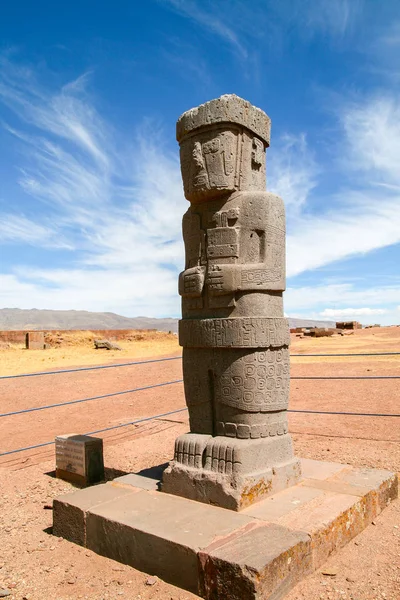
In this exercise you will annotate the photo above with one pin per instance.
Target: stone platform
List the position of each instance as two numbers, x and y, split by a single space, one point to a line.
260 552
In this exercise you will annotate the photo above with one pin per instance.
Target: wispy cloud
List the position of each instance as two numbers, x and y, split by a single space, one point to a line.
210 18
334 17
119 205
239 24
292 172
17 228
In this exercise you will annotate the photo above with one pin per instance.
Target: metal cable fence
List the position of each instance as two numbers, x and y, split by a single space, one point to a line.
152 418
166 383
156 360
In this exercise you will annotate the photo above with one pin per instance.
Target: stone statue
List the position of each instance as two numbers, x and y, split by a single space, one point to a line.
234 336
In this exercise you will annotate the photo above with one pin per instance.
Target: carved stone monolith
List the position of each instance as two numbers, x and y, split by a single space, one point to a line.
235 338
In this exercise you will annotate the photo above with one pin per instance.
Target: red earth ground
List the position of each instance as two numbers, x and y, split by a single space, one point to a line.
34 564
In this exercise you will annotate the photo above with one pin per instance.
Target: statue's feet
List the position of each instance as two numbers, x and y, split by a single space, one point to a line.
190 448
220 455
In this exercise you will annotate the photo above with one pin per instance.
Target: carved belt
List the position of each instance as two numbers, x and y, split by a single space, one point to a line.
235 332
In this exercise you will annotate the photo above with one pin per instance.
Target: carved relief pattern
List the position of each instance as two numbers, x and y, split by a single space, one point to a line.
211 162
238 332
244 431
256 382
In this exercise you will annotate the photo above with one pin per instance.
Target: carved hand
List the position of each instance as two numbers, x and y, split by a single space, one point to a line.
191 282
221 279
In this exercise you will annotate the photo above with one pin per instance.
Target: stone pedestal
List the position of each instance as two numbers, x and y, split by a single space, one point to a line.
258 553
235 473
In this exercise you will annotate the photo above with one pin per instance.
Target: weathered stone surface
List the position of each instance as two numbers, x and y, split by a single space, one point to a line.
332 520
332 509
234 335
265 561
234 493
79 458
226 109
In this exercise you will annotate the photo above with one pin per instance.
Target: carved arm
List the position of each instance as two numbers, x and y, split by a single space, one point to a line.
191 282
227 279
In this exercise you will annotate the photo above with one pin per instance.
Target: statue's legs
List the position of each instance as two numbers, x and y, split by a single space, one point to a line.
199 389
199 394
239 448
251 389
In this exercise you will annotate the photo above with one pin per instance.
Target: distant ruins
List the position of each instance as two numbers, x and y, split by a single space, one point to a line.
348 325
235 338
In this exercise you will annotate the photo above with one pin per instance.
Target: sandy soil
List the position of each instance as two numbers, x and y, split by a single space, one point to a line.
34 564
77 349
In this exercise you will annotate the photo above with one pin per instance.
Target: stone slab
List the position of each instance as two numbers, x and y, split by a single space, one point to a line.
159 533
332 510
260 552
139 481
318 469
70 510
265 561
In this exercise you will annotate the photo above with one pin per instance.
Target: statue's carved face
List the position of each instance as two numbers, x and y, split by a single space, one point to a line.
209 164
217 162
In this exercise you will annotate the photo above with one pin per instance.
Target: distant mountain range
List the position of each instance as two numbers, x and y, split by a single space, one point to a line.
20 319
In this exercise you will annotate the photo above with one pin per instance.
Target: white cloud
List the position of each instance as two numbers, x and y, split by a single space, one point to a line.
292 172
372 130
352 312
241 24
366 223
365 215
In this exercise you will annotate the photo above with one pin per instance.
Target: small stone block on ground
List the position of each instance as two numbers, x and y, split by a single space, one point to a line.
258 553
34 340
79 458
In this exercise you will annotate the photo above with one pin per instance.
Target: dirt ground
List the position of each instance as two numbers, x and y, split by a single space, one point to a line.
34 564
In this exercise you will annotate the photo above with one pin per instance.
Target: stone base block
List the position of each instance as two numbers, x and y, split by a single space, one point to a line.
230 473
233 492
260 552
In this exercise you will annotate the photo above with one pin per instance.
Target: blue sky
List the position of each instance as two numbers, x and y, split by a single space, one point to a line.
90 191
